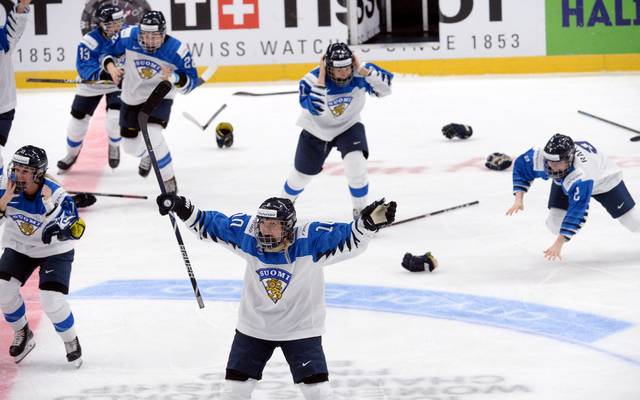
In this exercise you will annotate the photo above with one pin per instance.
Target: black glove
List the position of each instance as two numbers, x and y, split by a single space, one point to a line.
458 130
178 204
378 214
224 134
419 263
65 228
498 161
84 199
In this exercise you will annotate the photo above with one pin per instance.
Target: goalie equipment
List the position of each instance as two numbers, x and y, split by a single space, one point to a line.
457 130
224 134
498 161
378 214
419 263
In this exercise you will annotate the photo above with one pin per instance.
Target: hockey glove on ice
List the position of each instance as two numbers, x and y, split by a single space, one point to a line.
224 134
178 204
458 130
64 228
498 161
378 214
84 199
419 263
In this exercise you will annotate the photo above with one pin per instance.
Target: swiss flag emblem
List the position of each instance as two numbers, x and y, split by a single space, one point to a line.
238 14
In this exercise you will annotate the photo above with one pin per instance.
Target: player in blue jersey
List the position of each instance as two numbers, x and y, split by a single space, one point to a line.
110 19
282 303
40 225
10 33
579 172
332 96
150 57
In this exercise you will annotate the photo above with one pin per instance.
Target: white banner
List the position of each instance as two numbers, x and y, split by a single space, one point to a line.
246 32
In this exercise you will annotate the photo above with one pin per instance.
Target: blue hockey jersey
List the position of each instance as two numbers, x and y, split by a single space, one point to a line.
88 57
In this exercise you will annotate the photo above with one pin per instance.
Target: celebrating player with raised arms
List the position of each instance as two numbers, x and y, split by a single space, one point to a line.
150 56
110 19
579 172
332 96
40 225
282 302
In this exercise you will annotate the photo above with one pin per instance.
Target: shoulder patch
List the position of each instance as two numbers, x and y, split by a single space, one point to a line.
89 41
183 50
572 178
126 32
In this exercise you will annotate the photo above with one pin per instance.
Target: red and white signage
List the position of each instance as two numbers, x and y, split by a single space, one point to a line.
238 14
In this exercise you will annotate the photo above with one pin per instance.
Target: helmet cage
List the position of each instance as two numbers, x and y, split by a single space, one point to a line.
554 152
270 243
38 170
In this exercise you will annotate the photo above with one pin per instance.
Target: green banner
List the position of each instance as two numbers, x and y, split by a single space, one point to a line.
593 26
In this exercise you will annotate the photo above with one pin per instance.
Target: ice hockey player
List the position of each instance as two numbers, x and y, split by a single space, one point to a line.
41 224
110 19
578 171
151 56
10 33
332 96
282 302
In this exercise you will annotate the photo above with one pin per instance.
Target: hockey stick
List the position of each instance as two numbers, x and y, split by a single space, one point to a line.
152 102
124 196
70 81
431 214
633 139
205 126
263 94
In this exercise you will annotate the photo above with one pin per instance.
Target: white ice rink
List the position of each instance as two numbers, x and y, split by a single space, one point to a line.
494 321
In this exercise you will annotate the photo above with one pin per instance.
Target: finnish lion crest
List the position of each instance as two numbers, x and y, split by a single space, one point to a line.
147 69
275 281
26 224
339 105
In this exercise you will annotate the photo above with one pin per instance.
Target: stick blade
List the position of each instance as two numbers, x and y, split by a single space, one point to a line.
192 119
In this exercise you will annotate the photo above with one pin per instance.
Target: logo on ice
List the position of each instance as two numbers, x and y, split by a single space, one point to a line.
275 281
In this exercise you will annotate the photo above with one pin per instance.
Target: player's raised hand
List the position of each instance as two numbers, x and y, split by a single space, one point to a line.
115 72
9 194
23 5
46 193
323 72
518 204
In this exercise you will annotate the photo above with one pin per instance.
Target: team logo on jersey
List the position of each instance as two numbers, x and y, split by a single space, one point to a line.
339 105
275 281
147 69
26 224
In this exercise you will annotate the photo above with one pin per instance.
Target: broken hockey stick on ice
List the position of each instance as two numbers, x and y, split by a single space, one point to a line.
152 102
70 81
431 214
124 196
205 126
633 139
263 94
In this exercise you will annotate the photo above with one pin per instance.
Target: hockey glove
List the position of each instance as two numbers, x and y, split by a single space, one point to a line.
419 263
178 204
378 214
84 199
498 161
458 130
64 228
224 134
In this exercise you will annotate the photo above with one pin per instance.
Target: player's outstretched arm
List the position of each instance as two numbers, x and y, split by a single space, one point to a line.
518 204
553 252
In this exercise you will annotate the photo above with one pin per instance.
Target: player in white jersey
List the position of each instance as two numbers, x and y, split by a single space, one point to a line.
10 33
332 96
579 172
40 224
282 303
150 56
110 19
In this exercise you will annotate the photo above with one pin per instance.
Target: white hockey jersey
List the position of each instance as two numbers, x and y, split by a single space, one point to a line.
283 295
10 33
25 218
341 105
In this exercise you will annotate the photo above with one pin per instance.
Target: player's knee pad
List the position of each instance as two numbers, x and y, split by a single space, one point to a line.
238 390
631 220
78 127
317 391
133 146
554 220
54 304
9 293
77 114
355 168
113 124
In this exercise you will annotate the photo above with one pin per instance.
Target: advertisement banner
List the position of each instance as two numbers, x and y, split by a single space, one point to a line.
249 32
593 26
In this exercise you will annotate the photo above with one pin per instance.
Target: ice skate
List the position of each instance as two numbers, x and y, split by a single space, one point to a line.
22 344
